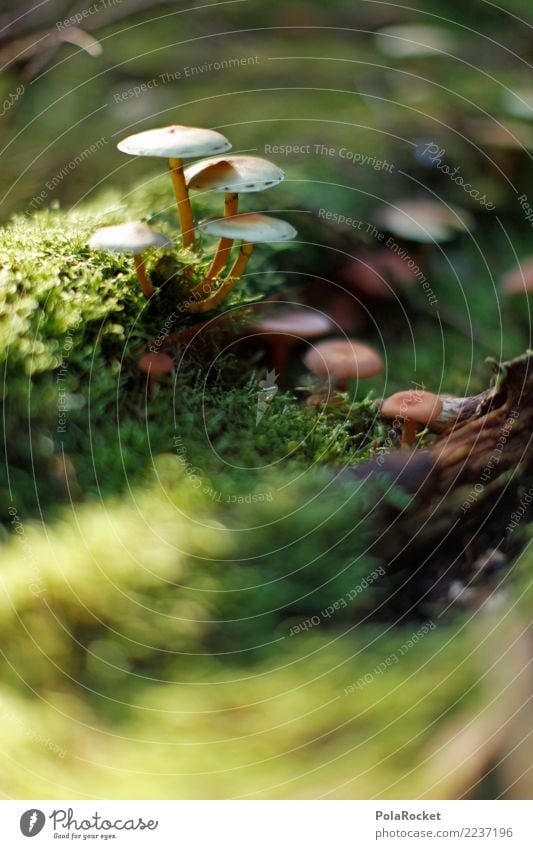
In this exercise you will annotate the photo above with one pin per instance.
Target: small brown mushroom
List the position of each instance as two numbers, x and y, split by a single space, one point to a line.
412 408
155 365
285 330
343 360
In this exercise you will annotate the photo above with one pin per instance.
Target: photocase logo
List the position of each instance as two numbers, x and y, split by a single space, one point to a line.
32 822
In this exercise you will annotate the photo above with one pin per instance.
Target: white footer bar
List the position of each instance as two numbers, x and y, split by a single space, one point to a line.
267 824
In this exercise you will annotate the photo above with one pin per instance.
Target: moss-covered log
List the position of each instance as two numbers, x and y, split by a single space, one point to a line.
464 489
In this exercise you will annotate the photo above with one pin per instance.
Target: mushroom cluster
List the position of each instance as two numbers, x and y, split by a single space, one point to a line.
230 175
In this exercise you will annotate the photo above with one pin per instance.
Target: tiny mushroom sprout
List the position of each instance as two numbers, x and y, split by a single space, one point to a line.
285 330
343 360
155 364
177 143
412 408
250 228
232 175
134 237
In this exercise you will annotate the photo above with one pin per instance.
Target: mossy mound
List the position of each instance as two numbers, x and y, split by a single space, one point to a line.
188 604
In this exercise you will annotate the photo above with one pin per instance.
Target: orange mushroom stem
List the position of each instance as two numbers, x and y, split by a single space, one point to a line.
183 202
146 284
239 266
155 365
228 283
284 330
249 228
412 408
222 253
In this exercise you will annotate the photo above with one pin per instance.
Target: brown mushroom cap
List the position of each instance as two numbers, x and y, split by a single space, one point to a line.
412 405
301 323
233 174
344 359
519 280
156 363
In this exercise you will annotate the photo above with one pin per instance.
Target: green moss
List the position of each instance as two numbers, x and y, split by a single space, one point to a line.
151 635
188 592
73 324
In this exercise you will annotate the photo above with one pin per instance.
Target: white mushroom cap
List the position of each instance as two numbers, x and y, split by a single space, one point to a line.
134 237
424 221
233 174
175 142
300 323
250 227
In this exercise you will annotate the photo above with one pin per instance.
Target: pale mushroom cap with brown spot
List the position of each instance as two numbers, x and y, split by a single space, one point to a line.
235 174
344 359
175 142
156 363
134 237
519 280
302 324
412 405
249 227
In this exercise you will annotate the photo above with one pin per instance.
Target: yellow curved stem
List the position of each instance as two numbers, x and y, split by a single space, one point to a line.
231 206
228 284
183 202
146 284
239 266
